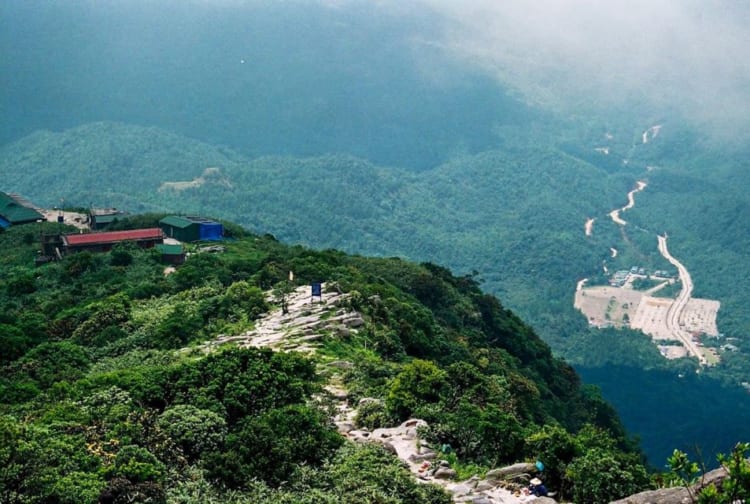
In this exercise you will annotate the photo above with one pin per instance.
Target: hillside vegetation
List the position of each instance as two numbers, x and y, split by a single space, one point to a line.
512 217
103 396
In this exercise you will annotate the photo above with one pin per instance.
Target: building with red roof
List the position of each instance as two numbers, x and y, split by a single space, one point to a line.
102 242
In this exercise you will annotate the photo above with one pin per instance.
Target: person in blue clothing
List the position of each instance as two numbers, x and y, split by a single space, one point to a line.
537 488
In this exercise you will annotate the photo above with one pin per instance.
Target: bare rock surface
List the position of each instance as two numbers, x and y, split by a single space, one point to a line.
306 321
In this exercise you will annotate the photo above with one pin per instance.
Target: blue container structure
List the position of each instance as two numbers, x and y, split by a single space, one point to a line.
191 228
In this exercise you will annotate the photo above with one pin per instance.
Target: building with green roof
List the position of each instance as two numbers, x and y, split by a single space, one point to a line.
14 212
171 253
191 228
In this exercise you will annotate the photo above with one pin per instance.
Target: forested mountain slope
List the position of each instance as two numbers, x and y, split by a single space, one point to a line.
513 215
103 396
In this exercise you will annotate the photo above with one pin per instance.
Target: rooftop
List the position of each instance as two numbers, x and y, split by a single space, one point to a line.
113 236
183 221
14 211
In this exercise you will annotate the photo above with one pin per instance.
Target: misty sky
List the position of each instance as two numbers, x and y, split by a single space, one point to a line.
688 54
661 56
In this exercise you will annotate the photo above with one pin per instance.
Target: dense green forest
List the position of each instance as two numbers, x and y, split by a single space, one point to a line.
512 217
107 394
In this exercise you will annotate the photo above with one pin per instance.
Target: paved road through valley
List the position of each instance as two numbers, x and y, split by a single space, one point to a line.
678 306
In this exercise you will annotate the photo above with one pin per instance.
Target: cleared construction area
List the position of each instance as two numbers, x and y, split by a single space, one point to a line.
607 306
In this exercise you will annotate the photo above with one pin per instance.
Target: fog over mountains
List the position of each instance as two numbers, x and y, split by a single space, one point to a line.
247 73
683 56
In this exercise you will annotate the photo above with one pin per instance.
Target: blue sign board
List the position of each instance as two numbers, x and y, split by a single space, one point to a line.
317 289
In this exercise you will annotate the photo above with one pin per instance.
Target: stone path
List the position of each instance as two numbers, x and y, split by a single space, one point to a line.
301 329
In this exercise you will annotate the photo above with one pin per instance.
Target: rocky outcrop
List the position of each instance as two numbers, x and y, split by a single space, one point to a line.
511 471
676 495
424 462
661 496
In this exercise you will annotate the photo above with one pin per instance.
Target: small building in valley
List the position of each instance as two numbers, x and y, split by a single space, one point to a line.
191 228
103 242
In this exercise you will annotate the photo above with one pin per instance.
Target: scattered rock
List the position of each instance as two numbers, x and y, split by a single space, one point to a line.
345 427
390 448
444 473
481 500
425 454
676 495
342 331
341 364
460 490
543 500
355 321
483 486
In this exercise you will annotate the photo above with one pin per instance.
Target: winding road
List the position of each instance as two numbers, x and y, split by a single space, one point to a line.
674 314
615 214
676 310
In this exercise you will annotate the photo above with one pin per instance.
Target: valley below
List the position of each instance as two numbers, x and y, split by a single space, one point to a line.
676 325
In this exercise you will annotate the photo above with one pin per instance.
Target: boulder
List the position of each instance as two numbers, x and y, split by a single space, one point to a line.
342 331
354 322
367 400
345 427
511 471
390 448
460 490
421 457
444 473
359 434
484 485
677 495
